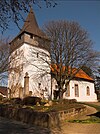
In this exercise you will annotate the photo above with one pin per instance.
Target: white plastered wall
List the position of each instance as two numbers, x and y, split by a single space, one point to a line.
82 86
38 67
16 74
36 62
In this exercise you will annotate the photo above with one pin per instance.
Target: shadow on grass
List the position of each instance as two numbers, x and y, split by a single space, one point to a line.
95 114
8 126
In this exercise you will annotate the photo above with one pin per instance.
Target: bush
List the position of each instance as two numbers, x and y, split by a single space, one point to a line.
72 100
5 100
31 100
16 101
67 101
1 97
43 102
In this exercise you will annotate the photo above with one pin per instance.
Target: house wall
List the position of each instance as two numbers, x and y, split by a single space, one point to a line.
82 87
82 90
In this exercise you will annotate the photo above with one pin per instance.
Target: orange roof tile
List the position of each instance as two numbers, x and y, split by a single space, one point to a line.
80 74
83 75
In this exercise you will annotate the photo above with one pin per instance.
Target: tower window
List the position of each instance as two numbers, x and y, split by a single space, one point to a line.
31 36
56 87
39 84
37 55
20 37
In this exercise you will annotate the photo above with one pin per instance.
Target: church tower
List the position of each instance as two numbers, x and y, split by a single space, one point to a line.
29 71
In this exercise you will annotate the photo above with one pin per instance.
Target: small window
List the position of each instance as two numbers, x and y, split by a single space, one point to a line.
15 53
37 55
30 93
76 90
20 37
31 36
56 87
39 84
46 89
88 91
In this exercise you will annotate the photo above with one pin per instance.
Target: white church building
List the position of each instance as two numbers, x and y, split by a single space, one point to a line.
29 71
81 88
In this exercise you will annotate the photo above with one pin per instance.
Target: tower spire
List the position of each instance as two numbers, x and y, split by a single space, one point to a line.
31 25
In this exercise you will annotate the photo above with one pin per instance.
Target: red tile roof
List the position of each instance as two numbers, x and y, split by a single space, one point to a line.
78 74
81 74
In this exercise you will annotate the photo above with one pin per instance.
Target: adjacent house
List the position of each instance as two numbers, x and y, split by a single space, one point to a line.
29 72
81 88
3 91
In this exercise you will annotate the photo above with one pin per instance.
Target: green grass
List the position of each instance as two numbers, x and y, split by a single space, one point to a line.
55 108
87 121
92 105
92 119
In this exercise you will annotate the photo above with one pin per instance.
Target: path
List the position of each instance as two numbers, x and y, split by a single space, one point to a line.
13 127
90 110
78 128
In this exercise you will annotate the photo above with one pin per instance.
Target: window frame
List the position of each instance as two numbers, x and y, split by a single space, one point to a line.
87 91
76 90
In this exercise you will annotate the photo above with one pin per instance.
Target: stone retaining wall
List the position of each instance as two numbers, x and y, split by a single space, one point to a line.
44 119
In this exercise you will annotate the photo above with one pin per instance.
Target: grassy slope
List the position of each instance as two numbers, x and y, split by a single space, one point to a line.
92 105
92 119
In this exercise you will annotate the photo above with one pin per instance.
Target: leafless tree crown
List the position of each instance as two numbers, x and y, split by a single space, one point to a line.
12 10
70 49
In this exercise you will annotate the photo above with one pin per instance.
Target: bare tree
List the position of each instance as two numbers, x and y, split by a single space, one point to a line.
9 64
12 10
97 80
4 60
15 69
70 49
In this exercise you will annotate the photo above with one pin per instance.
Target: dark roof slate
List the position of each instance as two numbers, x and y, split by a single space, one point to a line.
31 26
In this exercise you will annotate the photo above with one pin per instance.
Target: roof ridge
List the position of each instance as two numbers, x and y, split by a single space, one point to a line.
79 74
86 74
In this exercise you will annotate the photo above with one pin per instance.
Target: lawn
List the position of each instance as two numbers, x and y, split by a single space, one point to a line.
94 118
97 107
56 107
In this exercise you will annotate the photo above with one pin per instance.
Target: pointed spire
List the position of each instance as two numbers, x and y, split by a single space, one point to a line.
31 25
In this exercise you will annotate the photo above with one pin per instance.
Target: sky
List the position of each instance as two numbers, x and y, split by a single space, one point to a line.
85 12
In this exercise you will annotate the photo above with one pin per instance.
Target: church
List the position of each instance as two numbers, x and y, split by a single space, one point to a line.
29 71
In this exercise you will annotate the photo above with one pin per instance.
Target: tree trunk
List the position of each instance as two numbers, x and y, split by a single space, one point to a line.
60 94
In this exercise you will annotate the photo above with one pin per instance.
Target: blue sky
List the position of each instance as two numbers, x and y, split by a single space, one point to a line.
85 12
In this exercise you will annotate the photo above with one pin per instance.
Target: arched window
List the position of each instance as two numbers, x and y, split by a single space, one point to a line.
68 91
76 90
88 91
